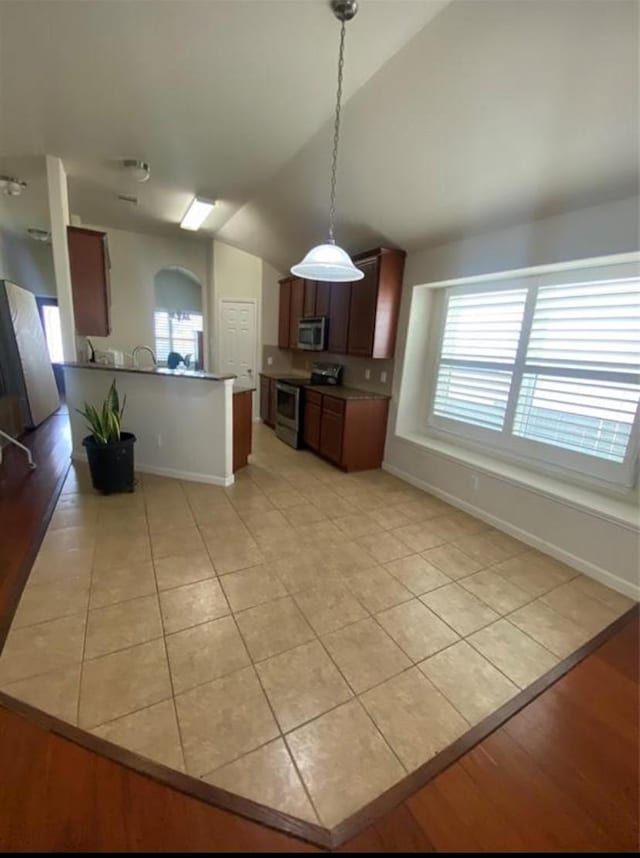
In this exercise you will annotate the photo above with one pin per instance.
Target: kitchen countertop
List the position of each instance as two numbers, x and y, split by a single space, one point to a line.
241 386
283 373
341 391
156 370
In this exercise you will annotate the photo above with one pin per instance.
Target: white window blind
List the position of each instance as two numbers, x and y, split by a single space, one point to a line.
547 372
176 335
580 380
479 346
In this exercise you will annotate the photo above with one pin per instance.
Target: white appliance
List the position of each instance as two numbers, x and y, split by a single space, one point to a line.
25 367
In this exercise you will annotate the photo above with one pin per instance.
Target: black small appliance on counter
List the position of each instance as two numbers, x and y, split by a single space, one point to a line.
290 400
327 373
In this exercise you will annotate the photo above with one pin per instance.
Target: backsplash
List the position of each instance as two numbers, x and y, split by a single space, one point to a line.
355 368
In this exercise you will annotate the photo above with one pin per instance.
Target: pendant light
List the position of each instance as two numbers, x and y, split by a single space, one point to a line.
328 261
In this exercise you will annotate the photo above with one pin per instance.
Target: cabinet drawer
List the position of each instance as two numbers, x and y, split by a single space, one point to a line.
312 397
330 403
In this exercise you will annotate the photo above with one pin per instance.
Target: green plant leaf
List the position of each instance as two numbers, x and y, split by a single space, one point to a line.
105 425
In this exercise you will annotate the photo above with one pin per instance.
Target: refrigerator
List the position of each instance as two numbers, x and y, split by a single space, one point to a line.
25 367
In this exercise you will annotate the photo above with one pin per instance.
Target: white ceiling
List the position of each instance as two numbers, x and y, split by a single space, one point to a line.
460 116
215 95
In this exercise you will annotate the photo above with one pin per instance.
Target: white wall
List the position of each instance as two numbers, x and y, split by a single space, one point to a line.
597 536
270 304
58 197
27 263
183 426
135 260
177 290
236 276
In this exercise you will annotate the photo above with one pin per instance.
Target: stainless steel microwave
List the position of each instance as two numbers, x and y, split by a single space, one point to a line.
312 333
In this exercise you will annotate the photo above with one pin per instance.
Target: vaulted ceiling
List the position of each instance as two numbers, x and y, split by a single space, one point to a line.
459 116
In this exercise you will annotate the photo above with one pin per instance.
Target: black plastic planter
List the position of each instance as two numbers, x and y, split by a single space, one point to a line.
111 465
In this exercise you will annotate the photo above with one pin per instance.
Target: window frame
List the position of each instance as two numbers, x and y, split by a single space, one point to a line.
536 455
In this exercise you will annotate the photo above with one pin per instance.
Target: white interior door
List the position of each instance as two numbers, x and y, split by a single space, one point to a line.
238 342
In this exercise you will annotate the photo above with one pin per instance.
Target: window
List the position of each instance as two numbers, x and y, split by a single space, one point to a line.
176 334
545 369
50 316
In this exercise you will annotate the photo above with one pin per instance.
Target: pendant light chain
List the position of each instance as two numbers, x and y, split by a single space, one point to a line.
336 136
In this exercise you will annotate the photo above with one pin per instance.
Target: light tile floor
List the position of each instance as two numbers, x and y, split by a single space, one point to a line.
304 638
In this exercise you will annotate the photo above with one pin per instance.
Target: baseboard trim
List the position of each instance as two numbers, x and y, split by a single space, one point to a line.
190 476
579 563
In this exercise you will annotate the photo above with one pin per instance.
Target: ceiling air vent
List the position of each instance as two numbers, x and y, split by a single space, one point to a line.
126 198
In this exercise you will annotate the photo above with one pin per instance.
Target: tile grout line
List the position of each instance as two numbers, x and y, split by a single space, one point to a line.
166 649
276 721
85 631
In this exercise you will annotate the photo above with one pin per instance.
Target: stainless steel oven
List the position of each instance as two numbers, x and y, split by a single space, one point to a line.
289 411
312 333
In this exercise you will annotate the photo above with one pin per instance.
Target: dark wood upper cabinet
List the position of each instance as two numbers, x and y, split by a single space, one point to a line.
284 317
90 285
339 317
297 310
362 311
363 315
323 293
375 303
309 306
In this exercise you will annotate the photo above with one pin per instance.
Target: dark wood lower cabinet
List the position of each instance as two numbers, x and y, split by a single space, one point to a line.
242 420
268 400
331 432
350 433
311 428
365 431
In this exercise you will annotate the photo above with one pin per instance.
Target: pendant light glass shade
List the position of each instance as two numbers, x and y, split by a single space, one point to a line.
327 262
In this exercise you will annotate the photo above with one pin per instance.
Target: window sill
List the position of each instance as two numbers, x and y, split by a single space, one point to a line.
623 510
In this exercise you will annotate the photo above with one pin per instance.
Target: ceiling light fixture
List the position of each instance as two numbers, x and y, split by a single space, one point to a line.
328 261
39 234
138 170
197 213
11 186
127 198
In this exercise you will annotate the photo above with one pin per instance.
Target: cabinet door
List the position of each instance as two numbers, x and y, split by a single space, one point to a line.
339 317
241 429
297 308
265 398
331 432
89 265
312 425
323 290
284 318
273 401
309 304
362 311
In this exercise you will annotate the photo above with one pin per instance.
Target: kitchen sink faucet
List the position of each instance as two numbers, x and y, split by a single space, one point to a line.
134 355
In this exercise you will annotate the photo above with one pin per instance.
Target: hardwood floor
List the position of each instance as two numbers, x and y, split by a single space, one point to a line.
25 500
560 775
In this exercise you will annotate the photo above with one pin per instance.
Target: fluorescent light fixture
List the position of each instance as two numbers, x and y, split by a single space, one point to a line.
197 213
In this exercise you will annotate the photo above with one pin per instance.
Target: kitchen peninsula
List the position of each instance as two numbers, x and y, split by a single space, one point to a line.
183 420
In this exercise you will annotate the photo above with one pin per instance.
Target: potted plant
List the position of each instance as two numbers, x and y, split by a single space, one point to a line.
109 449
